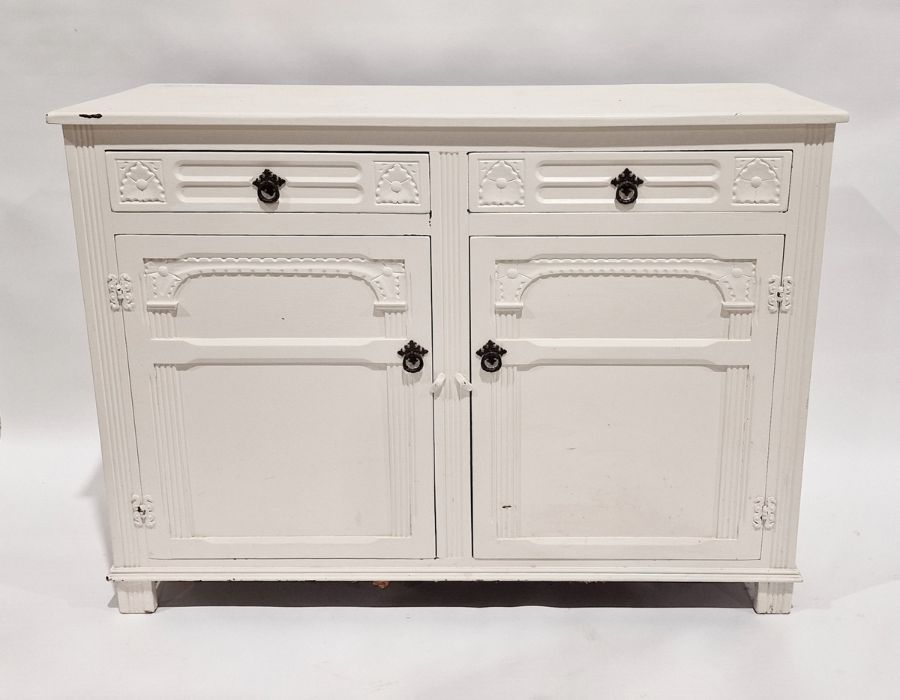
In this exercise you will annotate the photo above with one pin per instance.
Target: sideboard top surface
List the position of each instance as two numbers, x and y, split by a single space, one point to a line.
717 104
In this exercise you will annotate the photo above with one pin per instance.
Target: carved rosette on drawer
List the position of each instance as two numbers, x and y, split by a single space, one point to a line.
164 278
140 181
397 183
757 181
500 183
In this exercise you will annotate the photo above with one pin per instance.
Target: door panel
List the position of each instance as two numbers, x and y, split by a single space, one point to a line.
600 485
630 417
274 418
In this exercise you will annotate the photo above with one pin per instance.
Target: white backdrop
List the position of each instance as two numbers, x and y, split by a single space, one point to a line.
842 633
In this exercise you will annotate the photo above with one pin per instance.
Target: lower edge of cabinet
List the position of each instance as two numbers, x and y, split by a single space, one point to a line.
457 574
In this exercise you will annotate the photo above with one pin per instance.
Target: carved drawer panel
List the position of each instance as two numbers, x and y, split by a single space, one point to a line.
661 181
211 181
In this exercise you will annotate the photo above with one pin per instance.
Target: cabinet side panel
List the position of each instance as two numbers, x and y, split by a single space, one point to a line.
97 259
796 334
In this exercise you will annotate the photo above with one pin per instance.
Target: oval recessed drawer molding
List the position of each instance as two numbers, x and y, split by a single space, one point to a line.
210 181
668 181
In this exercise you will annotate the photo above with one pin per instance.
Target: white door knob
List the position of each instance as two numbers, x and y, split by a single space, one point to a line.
463 383
438 383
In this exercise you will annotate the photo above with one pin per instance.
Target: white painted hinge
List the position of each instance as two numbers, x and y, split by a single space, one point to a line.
142 511
781 290
119 292
764 512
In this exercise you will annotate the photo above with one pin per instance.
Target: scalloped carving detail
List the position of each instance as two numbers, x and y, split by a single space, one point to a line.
735 279
501 183
386 278
141 181
757 181
397 183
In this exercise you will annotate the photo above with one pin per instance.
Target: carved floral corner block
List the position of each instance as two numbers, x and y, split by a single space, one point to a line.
757 181
397 183
140 181
501 183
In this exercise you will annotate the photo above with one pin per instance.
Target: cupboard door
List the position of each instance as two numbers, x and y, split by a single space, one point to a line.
273 413
629 419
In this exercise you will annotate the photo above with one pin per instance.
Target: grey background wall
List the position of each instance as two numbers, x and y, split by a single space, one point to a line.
57 53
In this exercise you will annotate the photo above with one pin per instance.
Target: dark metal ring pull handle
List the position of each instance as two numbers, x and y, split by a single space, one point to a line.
413 357
491 356
268 186
626 184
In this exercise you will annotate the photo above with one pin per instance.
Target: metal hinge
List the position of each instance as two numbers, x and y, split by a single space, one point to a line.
764 512
142 511
119 292
781 290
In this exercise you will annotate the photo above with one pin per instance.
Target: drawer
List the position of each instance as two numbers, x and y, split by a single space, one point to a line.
222 181
666 181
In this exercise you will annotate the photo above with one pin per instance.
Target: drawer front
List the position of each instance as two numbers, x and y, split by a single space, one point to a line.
668 181
219 181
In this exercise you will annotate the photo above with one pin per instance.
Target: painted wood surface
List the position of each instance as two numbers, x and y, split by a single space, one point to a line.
206 181
453 106
669 181
629 417
256 422
274 417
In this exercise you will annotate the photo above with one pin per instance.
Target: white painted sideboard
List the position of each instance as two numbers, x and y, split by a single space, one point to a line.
451 333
